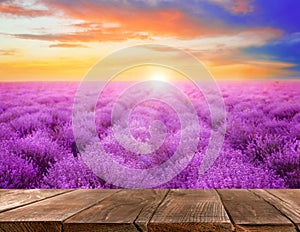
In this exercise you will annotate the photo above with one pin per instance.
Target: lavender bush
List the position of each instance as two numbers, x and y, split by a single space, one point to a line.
261 147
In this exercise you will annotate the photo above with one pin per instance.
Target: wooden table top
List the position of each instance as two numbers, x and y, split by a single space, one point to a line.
149 210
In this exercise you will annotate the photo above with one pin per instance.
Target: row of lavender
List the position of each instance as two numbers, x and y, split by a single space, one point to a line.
261 147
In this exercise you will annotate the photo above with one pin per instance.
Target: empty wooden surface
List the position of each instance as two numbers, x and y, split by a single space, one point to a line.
287 201
13 198
149 210
252 213
118 212
185 210
51 211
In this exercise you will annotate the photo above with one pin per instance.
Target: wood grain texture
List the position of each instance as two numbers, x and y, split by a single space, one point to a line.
14 198
48 214
252 213
149 210
30 226
124 211
287 201
190 210
291 196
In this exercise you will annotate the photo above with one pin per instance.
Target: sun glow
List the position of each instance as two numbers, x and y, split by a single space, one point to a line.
158 77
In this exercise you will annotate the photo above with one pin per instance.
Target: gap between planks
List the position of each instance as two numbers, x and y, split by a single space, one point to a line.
127 210
152 210
15 198
286 201
48 215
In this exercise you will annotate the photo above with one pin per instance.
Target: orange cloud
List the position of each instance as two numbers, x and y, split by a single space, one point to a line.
67 45
20 11
115 25
108 20
213 42
252 70
92 35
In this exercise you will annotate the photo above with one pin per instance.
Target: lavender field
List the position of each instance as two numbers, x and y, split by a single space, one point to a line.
261 148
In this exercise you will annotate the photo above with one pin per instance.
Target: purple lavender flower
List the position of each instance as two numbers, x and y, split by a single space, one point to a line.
261 147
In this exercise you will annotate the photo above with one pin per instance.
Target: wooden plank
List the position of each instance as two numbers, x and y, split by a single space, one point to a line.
47 215
148 210
128 210
13 198
287 201
251 213
32 227
190 210
291 196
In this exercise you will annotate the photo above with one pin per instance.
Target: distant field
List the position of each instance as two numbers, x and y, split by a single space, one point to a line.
261 147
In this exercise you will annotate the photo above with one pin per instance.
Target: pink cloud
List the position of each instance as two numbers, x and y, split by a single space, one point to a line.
236 6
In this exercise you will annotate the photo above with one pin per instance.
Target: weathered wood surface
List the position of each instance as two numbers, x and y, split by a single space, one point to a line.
127 210
186 210
252 213
50 212
14 198
149 210
287 201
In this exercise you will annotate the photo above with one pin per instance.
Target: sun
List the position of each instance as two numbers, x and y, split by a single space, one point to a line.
158 77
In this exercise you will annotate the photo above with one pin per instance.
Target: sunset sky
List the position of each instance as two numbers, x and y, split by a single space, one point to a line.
63 39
